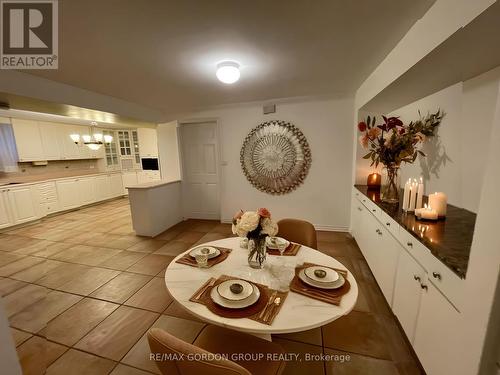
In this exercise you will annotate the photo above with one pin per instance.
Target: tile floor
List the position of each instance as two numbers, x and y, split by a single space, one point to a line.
81 290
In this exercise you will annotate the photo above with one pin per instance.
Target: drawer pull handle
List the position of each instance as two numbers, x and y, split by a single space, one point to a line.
417 278
388 224
374 210
423 286
436 275
409 244
360 209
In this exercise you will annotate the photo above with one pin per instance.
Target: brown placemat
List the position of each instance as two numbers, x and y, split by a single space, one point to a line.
259 311
291 250
332 296
190 261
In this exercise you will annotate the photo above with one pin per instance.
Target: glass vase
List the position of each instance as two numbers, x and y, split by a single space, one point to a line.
389 191
257 252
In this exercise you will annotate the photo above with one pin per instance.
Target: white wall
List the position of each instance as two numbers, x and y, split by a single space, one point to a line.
456 157
322 198
168 149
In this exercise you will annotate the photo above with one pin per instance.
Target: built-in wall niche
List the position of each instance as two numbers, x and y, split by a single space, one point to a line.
456 155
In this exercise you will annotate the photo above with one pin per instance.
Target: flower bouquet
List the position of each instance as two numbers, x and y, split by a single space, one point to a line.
256 226
392 143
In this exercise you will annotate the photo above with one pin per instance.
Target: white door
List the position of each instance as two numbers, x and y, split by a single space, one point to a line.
407 293
28 140
69 196
49 134
200 180
5 219
23 204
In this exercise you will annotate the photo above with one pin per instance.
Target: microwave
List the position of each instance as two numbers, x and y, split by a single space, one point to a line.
149 164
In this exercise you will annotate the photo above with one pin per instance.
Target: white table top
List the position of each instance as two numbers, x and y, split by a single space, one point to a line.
298 312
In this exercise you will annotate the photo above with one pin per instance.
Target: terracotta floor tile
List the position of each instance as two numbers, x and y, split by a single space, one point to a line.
78 320
186 330
298 367
36 316
22 298
8 286
114 241
127 370
52 249
312 336
19 336
151 264
358 365
80 238
357 332
114 336
147 246
123 260
37 271
37 354
152 296
222 228
6 258
77 362
169 234
19 265
120 288
205 226
13 242
54 234
209 237
173 248
189 236
88 255
86 282
362 303
34 246
62 274
175 309
333 236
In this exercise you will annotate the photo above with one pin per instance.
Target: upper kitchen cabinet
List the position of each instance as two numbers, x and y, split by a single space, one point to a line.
28 140
148 143
49 134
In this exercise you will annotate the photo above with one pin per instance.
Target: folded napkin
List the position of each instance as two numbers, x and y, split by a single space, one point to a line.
190 261
332 296
263 311
291 250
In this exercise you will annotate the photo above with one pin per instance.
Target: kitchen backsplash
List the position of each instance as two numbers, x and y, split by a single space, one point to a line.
53 169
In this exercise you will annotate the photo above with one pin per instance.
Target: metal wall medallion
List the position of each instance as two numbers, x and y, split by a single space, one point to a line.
275 157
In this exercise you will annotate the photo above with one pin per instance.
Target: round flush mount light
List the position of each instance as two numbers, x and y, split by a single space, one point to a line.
228 72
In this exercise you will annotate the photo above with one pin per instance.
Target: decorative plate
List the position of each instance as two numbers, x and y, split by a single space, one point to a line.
334 285
275 157
254 297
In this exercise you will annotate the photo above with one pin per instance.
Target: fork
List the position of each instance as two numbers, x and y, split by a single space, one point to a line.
274 306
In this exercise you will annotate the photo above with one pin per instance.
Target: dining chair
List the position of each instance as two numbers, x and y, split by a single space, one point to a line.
299 231
216 351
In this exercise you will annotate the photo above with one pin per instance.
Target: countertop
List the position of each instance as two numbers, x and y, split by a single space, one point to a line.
35 179
449 240
152 184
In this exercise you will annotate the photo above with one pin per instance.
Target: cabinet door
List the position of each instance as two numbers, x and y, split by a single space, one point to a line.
69 150
148 142
23 204
69 196
28 141
407 293
128 179
435 335
5 219
102 187
49 134
86 189
116 184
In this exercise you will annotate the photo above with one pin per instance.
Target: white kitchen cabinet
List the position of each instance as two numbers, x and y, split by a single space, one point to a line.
86 189
23 204
49 134
28 141
47 197
410 277
128 179
5 217
148 176
116 184
69 150
435 335
102 188
67 191
148 142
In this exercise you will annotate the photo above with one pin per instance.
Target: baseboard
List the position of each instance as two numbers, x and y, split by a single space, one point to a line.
327 228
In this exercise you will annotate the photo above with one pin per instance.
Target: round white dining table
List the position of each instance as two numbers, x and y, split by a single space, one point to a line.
298 312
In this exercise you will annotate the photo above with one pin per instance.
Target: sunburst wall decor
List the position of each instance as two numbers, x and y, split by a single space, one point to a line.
275 157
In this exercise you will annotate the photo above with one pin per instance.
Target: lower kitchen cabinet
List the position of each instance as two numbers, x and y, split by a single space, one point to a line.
86 190
68 194
115 184
5 219
23 204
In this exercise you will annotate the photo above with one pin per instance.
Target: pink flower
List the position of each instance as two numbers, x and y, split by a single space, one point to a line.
237 216
264 212
420 137
373 133
362 126
363 140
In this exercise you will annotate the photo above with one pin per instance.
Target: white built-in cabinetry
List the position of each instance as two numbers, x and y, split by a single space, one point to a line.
131 178
148 143
40 140
423 293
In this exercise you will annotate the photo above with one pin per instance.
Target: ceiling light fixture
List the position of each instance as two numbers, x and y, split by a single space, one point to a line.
94 141
228 72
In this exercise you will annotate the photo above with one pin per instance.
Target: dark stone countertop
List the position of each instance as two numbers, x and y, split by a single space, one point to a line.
449 240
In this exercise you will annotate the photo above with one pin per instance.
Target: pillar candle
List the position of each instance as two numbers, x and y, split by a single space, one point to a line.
373 180
438 201
406 195
418 211
413 197
429 214
420 193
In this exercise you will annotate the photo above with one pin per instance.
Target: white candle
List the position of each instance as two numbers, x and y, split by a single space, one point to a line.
438 201
413 197
406 195
420 193
429 214
418 211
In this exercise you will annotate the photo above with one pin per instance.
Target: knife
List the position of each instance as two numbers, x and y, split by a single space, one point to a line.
271 299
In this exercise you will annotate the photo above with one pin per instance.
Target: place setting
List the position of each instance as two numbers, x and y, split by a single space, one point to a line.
232 297
281 246
204 256
320 282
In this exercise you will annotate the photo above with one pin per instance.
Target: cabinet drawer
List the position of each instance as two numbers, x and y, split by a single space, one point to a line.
389 223
357 194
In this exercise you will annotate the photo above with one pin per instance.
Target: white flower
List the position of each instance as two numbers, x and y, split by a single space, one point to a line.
248 222
233 228
269 227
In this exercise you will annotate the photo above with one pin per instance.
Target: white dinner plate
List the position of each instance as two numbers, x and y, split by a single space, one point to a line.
224 290
254 297
213 252
334 285
272 242
330 275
